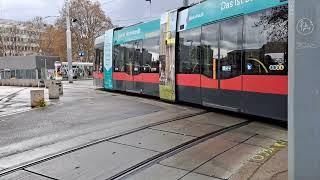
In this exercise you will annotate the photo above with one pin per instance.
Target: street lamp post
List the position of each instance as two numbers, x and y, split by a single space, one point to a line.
45 73
150 6
69 44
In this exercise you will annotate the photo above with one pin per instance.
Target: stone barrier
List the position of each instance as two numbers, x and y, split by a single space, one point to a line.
24 82
37 98
54 92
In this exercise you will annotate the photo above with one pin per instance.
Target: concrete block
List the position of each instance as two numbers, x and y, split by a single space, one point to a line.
36 97
34 83
53 90
29 83
25 83
61 89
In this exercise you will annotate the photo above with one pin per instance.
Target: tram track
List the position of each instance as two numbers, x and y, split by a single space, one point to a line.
23 166
173 151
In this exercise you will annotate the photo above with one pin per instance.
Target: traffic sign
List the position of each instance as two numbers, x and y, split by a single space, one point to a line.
82 53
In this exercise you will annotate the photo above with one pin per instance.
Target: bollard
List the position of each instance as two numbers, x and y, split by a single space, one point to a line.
37 97
60 85
53 90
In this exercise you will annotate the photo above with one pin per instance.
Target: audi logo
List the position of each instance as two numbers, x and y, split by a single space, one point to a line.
279 67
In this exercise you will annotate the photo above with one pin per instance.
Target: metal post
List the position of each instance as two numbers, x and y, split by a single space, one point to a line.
304 89
69 43
45 72
150 14
45 67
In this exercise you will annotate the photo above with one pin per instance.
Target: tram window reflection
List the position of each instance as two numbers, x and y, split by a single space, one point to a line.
266 42
150 53
189 52
119 58
209 50
230 48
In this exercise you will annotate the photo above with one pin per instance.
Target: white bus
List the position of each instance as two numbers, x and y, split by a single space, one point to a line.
80 70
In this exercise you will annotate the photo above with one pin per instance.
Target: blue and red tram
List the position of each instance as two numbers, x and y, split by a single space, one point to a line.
230 55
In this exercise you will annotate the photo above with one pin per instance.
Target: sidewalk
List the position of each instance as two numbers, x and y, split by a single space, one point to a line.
14 100
250 152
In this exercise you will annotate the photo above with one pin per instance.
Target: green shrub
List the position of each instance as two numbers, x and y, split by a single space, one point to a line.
42 103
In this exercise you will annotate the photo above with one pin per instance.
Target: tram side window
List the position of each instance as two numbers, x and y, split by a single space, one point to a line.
150 53
128 57
119 58
138 57
99 61
266 42
231 48
210 50
189 52
133 57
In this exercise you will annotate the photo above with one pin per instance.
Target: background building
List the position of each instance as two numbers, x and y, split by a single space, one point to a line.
18 38
27 67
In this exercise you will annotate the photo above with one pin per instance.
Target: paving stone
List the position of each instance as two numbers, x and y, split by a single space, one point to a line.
237 135
96 162
195 156
188 128
23 175
153 140
246 171
194 176
280 176
217 119
229 163
276 167
261 141
267 130
159 172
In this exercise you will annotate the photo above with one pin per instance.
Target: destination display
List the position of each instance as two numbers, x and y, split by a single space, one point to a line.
136 32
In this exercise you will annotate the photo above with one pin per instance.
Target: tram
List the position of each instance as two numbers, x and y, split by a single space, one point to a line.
97 74
230 55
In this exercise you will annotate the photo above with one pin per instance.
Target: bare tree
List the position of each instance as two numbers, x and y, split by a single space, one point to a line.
275 24
53 42
91 23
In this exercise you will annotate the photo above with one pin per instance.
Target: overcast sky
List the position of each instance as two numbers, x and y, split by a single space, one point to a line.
122 12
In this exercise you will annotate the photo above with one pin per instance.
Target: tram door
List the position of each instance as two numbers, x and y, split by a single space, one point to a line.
133 65
137 67
230 62
129 60
221 82
189 67
209 56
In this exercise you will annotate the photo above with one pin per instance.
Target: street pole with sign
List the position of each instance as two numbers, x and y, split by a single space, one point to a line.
69 43
304 89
